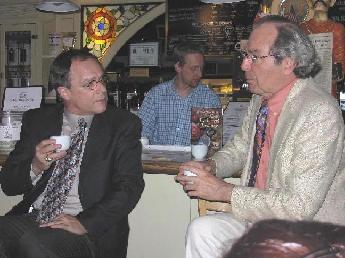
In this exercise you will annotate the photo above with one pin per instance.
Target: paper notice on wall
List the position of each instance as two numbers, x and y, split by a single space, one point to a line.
323 43
232 119
22 99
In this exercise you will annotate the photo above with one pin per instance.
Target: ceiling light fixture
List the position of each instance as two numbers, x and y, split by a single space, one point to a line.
62 6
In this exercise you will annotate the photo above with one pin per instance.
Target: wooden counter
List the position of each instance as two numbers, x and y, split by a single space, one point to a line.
163 162
154 162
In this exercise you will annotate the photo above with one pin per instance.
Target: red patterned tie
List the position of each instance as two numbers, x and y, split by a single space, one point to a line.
65 171
259 139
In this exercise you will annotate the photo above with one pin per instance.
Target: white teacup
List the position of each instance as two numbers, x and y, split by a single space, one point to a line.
199 151
144 141
63 140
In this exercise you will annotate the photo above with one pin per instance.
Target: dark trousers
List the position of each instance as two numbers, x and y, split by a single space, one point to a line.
21 237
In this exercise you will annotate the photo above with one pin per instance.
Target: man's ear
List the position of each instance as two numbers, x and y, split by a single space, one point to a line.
178 67
288 65
64 93
332 2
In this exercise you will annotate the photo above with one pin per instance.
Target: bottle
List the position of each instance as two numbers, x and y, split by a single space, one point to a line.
338 86
11 55
117 92
117 97
10 126
133 103
341 87
22 55
129 96
23 82
341 95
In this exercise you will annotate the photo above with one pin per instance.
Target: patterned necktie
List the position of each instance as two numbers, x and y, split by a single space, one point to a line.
259 139
64 173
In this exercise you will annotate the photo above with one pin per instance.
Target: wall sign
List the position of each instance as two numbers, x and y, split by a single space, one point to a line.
143 54
215 27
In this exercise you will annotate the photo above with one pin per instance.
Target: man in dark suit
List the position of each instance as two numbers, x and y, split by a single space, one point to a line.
93 219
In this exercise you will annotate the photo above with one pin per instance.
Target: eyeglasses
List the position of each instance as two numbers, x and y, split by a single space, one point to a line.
253 58
91 85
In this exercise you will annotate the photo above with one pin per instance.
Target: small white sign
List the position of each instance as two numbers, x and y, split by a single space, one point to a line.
323 43
10 133
232 119
143 54
22 99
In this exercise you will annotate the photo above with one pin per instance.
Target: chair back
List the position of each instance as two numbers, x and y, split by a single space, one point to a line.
206 206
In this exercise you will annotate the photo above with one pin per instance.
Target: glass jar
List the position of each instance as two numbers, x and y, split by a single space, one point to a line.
10 125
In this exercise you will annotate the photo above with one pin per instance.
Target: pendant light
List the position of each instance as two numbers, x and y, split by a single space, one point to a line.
55 6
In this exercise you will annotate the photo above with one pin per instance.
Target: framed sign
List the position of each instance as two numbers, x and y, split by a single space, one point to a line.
143 54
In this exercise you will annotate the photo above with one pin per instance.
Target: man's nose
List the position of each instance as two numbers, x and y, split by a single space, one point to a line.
246 64
100 86
198 72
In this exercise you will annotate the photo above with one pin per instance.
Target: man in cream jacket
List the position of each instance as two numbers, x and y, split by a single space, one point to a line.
299 171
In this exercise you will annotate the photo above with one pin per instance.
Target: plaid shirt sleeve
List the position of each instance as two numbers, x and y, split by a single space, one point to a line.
148 115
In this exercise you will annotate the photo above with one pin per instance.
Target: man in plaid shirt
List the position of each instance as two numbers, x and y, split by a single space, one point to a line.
166 110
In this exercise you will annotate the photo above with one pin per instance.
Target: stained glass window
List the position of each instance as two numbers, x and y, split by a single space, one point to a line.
103 24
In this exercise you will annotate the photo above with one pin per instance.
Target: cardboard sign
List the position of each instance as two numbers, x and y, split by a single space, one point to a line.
22 99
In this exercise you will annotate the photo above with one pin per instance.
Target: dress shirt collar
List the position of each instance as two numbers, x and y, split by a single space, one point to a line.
72 119
276 102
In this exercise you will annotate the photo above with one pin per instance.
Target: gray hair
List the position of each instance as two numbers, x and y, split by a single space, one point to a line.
292 42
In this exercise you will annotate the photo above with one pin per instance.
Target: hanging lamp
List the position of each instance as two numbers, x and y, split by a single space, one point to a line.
54 6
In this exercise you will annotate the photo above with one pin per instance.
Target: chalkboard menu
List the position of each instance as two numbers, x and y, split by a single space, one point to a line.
215 27
337 12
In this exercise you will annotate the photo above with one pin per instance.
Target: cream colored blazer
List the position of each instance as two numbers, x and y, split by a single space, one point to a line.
306 175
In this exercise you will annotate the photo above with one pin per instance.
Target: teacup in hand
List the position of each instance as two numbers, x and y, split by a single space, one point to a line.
189 173
63 140
199 151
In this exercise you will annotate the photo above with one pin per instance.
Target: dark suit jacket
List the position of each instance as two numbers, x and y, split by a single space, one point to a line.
110 180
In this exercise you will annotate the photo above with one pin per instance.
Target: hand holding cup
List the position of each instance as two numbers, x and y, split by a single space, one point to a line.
189 173
63 140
